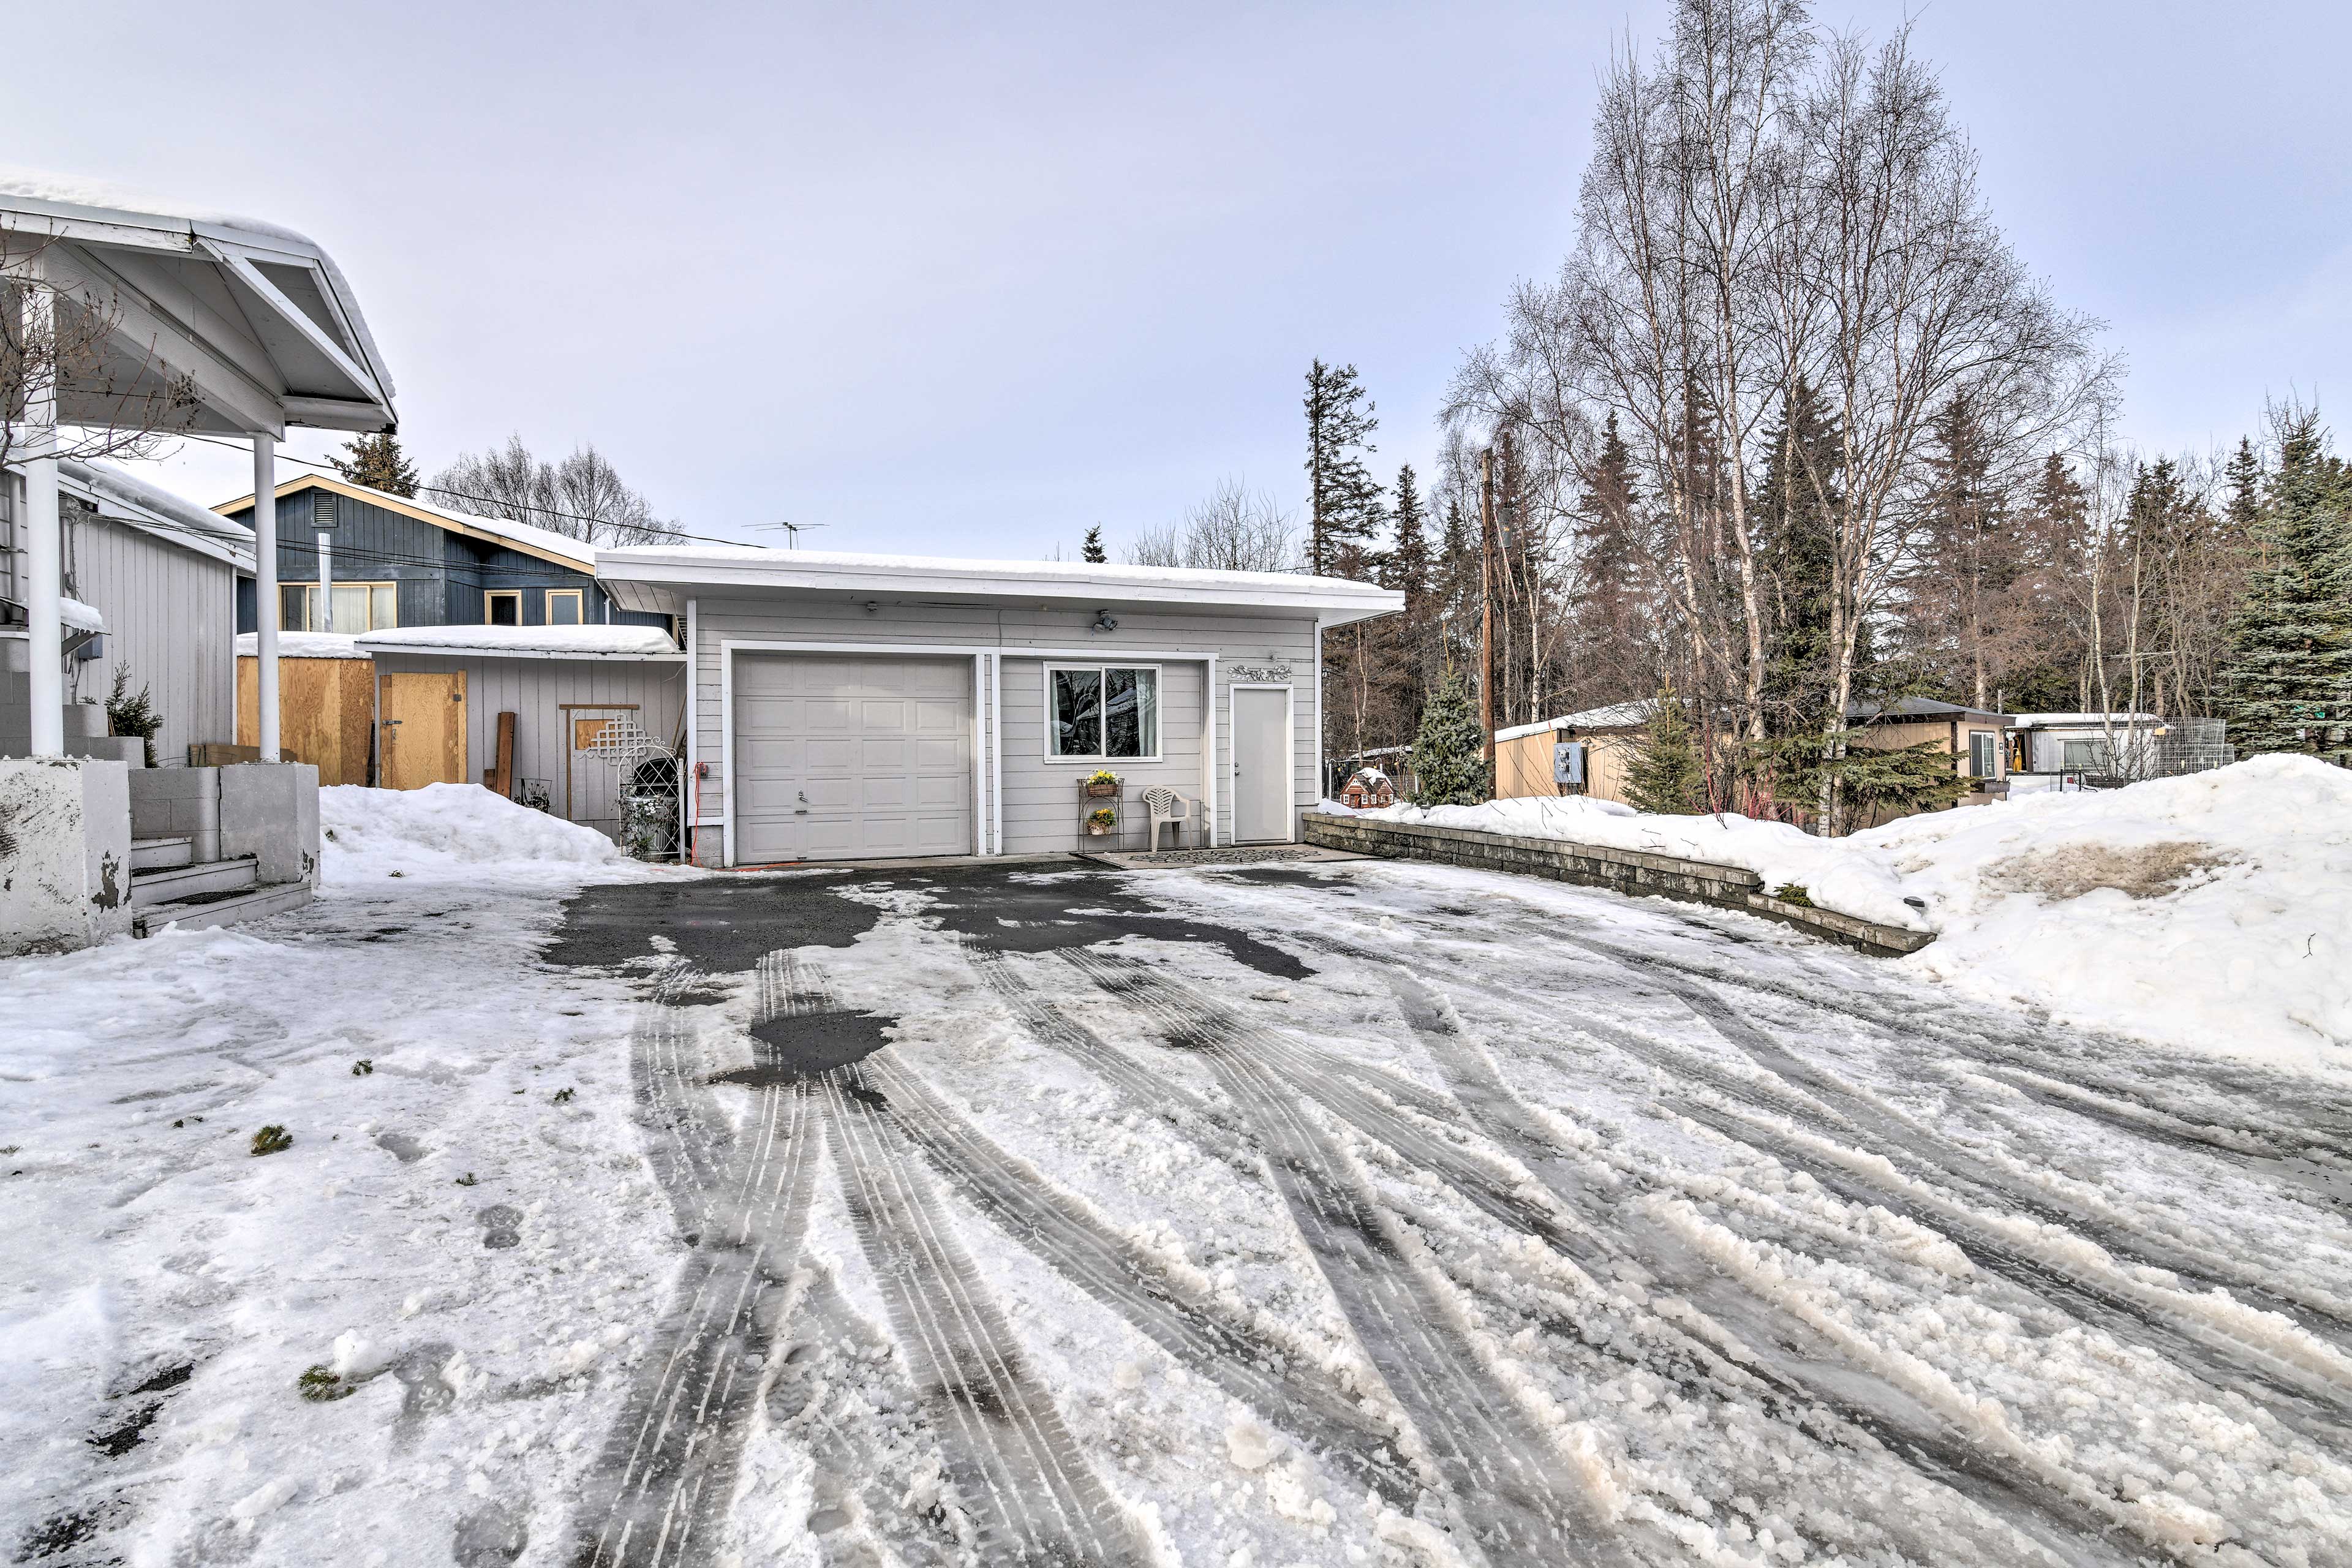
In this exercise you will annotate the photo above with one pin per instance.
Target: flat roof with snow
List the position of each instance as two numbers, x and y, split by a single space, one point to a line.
588 642
661 577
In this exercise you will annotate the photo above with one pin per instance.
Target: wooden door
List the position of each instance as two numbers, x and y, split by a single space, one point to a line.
422 718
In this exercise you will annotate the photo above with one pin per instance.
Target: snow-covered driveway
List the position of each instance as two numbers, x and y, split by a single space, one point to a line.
1288 1215
1283 1215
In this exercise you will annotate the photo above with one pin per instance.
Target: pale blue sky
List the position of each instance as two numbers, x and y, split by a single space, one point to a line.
964 283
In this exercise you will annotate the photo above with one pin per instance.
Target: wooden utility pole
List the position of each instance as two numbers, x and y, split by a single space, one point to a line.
1487 600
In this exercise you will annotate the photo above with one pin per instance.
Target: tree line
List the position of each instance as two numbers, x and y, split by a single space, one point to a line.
1792 429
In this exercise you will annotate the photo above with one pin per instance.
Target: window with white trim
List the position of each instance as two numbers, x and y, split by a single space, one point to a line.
1107 711
1984 754
359 606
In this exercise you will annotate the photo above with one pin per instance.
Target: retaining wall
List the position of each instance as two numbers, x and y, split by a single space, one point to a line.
1629 871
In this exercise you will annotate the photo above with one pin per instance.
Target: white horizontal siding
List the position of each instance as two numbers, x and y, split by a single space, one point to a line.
1038 804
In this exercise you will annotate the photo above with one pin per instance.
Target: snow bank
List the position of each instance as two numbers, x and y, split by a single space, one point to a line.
1829 870
587 641
2210 913
305 644
448 831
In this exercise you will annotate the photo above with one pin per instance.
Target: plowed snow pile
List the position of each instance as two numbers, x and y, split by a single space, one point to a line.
2209 912
447 830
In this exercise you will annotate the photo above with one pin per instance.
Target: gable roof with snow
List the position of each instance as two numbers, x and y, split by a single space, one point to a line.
544 544
256 318
647 577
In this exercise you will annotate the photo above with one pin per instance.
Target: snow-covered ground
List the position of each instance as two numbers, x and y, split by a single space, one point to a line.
2208 912
1367 1212
461 1227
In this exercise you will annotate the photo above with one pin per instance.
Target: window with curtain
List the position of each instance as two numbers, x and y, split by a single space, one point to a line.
359 606
1984 756
1107 711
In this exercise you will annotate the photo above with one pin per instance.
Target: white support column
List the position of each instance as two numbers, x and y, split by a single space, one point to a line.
1216 770
44 554
325 614
265 592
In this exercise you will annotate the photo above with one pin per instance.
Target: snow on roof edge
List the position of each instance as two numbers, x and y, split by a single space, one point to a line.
847 562
106 196
549 642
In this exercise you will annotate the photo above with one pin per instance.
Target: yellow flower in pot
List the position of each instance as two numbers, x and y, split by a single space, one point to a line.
1103 781
1101 820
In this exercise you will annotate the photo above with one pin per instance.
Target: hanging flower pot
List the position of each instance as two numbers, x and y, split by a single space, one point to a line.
1102 784
1101 820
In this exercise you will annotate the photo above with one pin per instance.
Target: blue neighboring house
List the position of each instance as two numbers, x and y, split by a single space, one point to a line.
394 560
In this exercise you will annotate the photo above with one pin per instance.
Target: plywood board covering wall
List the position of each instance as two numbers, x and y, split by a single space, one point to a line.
326 712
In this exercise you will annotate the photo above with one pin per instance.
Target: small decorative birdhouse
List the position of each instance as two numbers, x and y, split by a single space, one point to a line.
1368 790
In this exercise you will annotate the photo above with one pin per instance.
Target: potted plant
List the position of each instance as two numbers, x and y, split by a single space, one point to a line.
1103 781
1101 820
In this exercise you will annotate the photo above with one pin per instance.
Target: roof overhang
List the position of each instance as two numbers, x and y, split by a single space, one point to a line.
195 325
537 543
661 578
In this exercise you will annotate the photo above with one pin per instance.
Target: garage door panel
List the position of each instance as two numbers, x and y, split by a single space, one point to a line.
881 748
831 754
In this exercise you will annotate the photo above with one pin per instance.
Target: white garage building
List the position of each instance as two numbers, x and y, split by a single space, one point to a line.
870 707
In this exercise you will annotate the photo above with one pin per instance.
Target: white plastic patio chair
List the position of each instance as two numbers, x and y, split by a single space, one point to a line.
1167 807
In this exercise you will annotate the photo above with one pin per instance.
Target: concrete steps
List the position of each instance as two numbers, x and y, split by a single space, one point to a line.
162 853
221 909
174 884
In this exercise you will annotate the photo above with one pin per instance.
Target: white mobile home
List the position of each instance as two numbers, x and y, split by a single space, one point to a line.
868 707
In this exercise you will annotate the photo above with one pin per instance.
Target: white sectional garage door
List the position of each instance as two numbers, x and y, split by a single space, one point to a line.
851 756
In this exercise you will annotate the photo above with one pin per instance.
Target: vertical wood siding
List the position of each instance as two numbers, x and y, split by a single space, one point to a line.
170 615
533 690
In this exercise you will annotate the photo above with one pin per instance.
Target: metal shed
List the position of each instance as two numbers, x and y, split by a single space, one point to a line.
574 693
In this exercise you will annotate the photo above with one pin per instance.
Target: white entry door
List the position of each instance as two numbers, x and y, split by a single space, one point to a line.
851 757
1261 763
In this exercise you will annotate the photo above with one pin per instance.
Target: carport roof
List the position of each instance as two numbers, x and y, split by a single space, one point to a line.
255 319
661 577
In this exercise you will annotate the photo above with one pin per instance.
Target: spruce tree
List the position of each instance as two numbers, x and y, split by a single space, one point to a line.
1406 567
1091 551
2242 476
1665 774
1802 471
377 462
1449 752
2288 686
1343 499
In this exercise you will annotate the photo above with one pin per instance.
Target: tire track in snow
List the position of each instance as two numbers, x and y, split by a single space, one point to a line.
1778 1350
2061 1513
668 1473
2306 1392
1017 1472
1135 1283
1897 1138
1517 1497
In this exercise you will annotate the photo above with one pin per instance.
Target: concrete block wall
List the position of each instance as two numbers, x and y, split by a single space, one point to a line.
1627 871
64 853
174 803
271 811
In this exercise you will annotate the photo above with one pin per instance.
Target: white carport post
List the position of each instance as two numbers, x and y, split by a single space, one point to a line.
43 555
265 592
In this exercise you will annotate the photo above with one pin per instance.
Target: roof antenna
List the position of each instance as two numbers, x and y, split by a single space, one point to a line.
791 531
